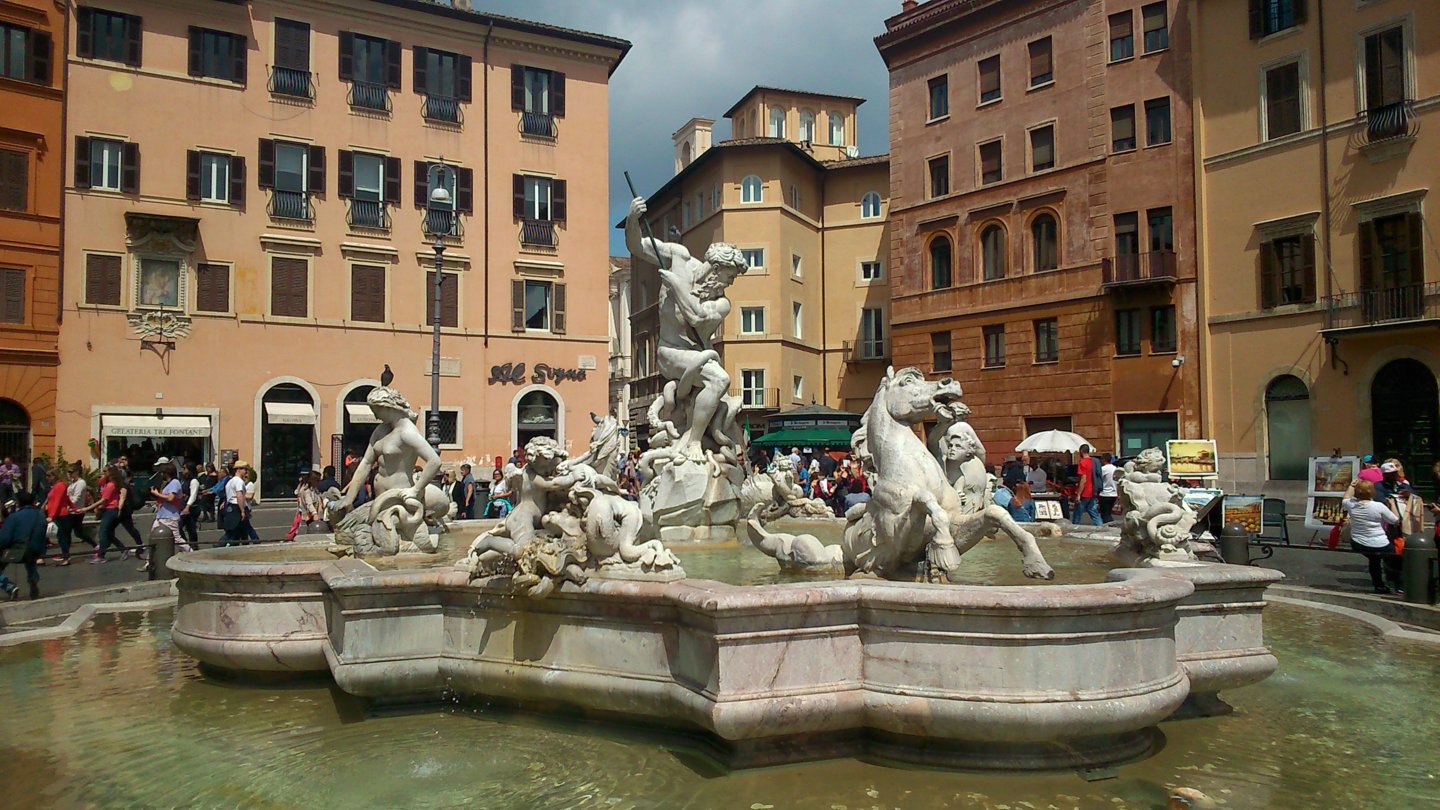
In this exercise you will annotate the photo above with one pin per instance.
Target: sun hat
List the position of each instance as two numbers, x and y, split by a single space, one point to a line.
238 464
1387 467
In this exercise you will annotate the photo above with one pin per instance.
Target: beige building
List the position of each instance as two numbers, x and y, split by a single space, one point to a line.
810 319
1318 140
260 186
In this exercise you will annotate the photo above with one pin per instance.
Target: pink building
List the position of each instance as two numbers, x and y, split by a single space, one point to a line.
253 213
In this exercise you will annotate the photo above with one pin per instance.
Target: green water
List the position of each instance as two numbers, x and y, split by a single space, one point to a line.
115 716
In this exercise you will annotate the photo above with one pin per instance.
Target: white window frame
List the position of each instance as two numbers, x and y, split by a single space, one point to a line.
216 178
807 125
796 265
879 275
775 122
379 162
797 388
534 185
1301 58
795 196
1407 37
866 209
752 320
549 304
304 166
872 346
797 319
755 394
746 252
752 192
837 128
109 148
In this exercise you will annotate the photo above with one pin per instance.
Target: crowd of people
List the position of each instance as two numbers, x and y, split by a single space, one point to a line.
1382 508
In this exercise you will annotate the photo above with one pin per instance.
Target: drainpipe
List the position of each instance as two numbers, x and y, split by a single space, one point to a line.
485 178
64 48
824 332
1325 177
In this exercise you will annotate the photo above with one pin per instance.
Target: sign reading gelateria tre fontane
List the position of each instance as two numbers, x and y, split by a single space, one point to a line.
514 374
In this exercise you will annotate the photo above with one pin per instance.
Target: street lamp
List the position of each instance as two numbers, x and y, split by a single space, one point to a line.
442 208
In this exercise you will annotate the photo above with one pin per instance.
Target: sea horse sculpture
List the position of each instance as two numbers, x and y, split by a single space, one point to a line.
1157 521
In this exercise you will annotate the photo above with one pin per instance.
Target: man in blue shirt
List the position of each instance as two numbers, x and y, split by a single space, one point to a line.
23 527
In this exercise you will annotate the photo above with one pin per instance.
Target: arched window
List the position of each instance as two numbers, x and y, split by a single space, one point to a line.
1045 242
837 129
1405 417
940 263
1287 427
992 252
777 122
685 154
807 125
752 190
870 205
536 414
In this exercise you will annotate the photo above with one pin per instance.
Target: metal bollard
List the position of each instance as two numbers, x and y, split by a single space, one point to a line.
1235 545
1417 569
162 548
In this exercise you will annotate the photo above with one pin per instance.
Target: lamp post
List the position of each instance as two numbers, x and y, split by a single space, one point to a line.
441 203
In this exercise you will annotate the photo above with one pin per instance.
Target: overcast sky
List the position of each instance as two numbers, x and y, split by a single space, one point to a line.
697 57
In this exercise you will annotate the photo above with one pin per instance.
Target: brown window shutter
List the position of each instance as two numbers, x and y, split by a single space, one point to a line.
266 177
1257 19
130 168
1415 226
347 174
518 184
13 283
347 56
237 180
212 287
557 201
422 184
132 40
517 305
289 287
367 293
392 180
449 299
84 32
1120 25
465 191
40 57
392 64
1040 58
239 60
990 75
292 45
990 158
422 58
557 94
317 170
82 162
102 280
1307 279
463 69
14 180
192 175
1269 276
557 308
1369 264
196 61
517 87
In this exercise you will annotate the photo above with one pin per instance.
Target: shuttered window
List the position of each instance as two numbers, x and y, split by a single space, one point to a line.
1042 148
1287 271
991 170
1385 68
538 306
1041 70
109 35
25 54
1122 128
1282 100
1392 251
292 45
14 180
989 79
441 74
537 91
102 280
217 55
449 299
367 293
1122 36
212 287
289 287
12 295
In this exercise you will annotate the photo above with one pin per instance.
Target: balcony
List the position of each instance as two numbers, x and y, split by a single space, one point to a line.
442 108
757 399
369 214
443 222
538 125
1413 305
1388 121
865 351
369 96
538 233
1139 269
292 205
292 82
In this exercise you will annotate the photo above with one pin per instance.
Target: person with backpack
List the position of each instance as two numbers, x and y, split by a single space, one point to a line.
22 540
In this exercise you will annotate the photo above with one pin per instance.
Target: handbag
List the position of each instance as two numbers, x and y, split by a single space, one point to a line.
13 554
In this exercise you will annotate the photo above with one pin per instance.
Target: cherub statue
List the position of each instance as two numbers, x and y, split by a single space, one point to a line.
538 489
1157 521
788 497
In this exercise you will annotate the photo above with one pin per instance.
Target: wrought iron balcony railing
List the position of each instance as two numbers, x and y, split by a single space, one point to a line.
541 125
757 397
369 96
368 214
443 222
1387 308
291 82
442 108
1389 121
538 233
865 351
1139 268
290 205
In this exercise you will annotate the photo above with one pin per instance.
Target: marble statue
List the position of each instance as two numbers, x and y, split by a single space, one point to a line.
962 454
915 516
568 521
787 497
1157 521
409 511
694 468
606 444
803 553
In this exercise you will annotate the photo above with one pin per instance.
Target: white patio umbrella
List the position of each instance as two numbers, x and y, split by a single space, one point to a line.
1051 441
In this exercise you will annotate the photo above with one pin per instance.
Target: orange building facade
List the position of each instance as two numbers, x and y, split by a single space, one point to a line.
32 120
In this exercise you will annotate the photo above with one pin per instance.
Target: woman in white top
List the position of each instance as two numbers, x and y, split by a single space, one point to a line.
190 512
1368 519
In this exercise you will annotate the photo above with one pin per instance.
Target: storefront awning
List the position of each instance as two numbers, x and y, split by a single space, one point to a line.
360 414
805 437
290 413
155 426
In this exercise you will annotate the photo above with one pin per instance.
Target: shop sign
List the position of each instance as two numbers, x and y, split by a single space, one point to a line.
514 374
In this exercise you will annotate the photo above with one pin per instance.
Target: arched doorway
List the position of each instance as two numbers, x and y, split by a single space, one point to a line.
15 436
537 413
287 438
358 421
1405 418
1287 427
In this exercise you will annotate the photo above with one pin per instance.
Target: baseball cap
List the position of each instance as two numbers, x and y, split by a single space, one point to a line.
1387 467
1369 458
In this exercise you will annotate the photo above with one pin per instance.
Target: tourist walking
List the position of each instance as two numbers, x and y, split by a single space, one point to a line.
207 498
9 479
1108 491
169 497
190 515
307 499
217 495
1369 535
130 500
235 507
61 511
22 540
112 490
39 480
1086 499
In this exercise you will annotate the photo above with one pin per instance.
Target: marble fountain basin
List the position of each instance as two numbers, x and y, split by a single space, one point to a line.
1008 677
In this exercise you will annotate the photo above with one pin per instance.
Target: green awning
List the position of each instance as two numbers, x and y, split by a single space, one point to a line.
805 437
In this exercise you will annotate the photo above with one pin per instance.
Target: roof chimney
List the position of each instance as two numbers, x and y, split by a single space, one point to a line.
691 141
907 5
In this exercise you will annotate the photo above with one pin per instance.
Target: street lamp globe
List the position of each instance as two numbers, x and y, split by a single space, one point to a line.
440 195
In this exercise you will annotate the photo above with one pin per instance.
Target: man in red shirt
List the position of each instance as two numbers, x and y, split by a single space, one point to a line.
1087 504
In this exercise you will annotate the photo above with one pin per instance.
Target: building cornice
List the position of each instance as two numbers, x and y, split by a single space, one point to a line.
1305 137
